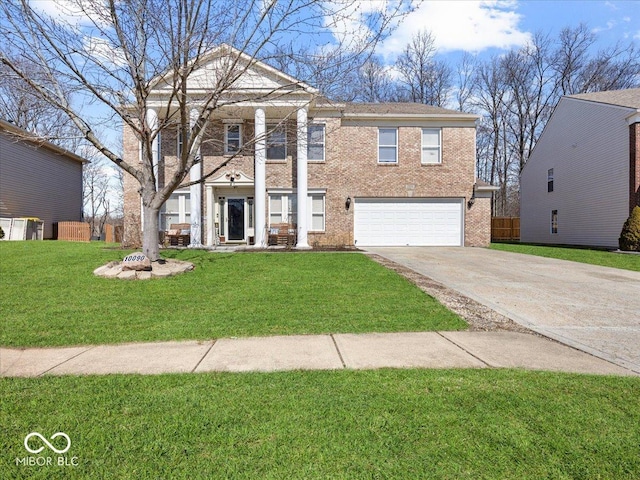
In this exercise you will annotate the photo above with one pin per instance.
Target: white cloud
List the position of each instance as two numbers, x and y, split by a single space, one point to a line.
72 12
103 51
467 25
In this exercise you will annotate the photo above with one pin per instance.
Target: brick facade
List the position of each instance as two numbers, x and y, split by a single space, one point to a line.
350 169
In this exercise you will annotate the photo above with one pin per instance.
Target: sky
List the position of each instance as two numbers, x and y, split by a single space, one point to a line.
494 26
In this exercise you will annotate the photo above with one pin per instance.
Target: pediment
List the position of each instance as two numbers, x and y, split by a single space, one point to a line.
249 75
232 176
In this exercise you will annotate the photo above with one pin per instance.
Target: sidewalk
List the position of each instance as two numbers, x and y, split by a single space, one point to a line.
497 349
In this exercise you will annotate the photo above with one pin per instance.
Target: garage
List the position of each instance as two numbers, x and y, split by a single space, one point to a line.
408 222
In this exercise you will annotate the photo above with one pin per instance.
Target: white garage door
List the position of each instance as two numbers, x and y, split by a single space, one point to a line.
408 221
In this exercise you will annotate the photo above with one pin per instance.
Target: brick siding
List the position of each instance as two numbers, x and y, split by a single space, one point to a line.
350 169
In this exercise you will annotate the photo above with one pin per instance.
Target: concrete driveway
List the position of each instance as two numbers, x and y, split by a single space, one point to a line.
595 309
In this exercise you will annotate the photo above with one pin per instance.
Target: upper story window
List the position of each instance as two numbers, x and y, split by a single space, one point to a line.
387 145
276 142
550 180
232 138
315 142
431 146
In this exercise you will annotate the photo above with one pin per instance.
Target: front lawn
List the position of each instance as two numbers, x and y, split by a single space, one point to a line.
400 424
50 297
582 255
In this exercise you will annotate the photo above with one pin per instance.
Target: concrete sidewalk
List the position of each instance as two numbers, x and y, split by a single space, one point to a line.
497 349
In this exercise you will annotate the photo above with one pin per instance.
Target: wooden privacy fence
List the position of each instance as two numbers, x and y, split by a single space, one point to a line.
505 228
113 233
74 231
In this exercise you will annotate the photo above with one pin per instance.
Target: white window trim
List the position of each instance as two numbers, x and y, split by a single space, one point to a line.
311 213
226 138
270 128
431 147
383 162
183 206
324 142
286 194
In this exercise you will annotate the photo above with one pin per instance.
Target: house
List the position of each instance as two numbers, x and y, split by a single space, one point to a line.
583 177
337 174
38 179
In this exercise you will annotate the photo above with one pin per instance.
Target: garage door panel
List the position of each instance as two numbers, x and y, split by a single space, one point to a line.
399 222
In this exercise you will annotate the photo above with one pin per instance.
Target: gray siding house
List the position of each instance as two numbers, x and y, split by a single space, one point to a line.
582 178
38 179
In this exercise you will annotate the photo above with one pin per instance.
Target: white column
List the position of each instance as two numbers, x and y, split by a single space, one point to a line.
196 191
210 216
302 179
260 178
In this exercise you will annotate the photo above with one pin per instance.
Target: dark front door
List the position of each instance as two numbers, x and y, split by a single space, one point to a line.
235 207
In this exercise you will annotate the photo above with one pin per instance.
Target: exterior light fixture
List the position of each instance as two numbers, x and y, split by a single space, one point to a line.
347 204
472 200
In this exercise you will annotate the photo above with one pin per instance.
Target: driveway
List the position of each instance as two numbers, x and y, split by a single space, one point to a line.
595 309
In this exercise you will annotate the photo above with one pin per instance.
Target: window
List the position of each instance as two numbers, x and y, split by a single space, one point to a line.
283 209
176 210
554 221
275 209
232 138
550 180
431 146
387 145
315 143
276 142
316 212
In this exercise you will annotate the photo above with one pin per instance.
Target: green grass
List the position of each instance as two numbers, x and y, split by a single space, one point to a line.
582 255
50 297
400 424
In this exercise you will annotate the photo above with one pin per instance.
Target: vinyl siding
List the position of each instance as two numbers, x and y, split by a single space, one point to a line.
587 145
37 182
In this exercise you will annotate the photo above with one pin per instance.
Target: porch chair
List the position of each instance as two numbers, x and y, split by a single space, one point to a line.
283 234
179 234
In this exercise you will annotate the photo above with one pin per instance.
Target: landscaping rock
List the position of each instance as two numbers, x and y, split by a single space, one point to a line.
137 261
163 269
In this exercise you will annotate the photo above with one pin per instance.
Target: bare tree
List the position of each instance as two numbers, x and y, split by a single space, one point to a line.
21 105
113 53
424 78
466 85
95 194
374 82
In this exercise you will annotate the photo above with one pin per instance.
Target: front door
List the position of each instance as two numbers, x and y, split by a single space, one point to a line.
235 216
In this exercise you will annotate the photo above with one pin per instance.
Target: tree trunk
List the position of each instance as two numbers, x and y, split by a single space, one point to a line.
150 239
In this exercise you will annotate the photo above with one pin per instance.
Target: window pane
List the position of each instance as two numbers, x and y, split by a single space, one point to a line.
317 222
315 152
276 152
171 205
430 137
388 154
387 136
315 133
276 142
317 204
430 155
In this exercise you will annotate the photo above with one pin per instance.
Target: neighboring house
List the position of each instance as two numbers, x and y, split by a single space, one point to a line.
583 177
38 179
368 174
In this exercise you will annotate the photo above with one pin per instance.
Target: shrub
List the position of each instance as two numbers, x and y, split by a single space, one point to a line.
630 236
1 233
